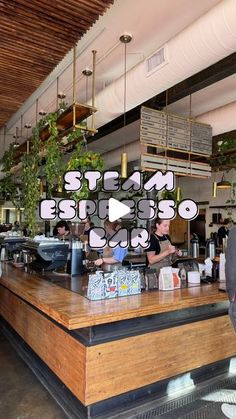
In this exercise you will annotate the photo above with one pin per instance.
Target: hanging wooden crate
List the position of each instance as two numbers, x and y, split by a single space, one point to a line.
150 162
172 142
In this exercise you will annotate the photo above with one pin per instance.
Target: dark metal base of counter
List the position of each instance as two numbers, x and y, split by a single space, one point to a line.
94 335
128 404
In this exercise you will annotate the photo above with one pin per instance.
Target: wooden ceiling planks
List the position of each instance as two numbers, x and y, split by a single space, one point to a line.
35 36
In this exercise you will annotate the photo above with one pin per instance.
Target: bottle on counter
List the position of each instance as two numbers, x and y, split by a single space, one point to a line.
210 249
3 252
183 277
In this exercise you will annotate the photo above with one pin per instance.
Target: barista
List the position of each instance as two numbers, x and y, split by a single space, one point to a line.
160 252
111 256
63 230
87 225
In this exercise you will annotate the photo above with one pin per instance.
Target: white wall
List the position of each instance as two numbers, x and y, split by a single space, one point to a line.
200 190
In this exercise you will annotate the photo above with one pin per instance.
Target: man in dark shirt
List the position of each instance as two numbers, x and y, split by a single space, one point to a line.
223 232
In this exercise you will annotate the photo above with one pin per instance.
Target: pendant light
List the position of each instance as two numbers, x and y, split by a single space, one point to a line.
214 189
27 126
125 39
178 194
214 186
87 72
223 184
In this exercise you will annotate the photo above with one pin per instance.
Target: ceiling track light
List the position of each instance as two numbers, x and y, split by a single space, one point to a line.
61 95
42 113
125 38
87 72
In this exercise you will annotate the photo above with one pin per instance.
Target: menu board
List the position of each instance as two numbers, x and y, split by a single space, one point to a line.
159 128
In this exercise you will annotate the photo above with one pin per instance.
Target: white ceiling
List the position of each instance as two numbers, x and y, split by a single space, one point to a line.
152 23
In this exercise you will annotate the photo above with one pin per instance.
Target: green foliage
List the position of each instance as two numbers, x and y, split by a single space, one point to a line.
75 135
54 167
62 107
228 160
29 177
171 195
84 160
53 159
7 159
223 146
7 184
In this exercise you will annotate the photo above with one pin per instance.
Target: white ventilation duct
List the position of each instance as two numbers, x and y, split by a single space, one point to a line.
208 40
221 119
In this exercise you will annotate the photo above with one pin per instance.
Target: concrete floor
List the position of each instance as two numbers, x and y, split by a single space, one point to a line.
21 394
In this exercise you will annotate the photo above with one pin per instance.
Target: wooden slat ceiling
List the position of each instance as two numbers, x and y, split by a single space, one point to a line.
34 37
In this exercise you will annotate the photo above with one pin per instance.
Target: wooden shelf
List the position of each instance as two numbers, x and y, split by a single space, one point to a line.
64 125
222 206
65 120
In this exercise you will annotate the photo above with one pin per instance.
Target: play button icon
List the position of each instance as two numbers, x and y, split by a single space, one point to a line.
116 209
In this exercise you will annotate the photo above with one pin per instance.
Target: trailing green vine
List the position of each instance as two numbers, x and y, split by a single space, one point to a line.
7 186
84 160
29 177
53 159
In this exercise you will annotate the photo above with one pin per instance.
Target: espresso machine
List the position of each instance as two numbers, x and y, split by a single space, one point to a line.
47 254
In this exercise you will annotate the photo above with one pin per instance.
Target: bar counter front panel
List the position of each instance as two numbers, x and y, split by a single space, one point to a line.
103 349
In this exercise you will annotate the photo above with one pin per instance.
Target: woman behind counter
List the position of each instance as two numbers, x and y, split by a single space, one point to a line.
111 256
160 251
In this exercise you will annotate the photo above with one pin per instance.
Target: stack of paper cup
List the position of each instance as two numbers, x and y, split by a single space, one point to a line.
194 277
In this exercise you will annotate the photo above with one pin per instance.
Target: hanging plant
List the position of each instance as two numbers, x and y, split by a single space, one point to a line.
226 160
225 153
7 186
83 160
29 178
62 107
53 160
172 195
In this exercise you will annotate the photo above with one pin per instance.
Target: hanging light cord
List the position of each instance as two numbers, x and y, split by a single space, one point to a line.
125 84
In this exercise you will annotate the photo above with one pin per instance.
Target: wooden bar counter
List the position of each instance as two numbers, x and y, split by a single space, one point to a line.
107 350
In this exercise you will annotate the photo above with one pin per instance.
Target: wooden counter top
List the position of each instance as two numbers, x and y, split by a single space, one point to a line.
74 311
